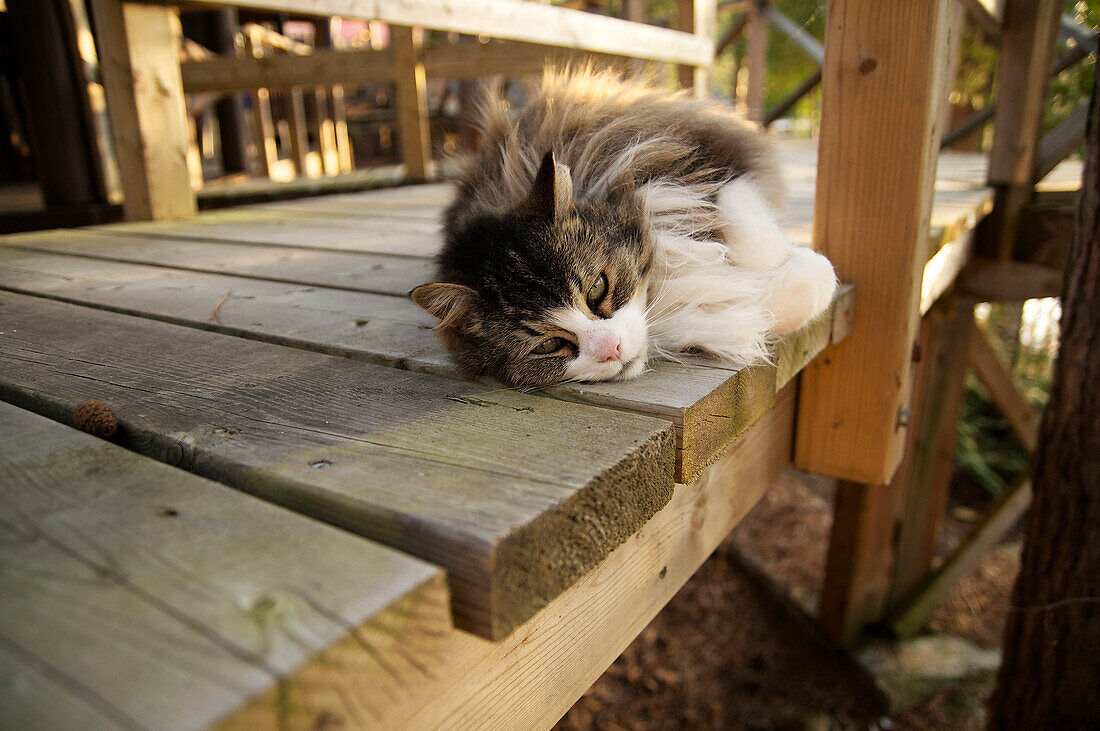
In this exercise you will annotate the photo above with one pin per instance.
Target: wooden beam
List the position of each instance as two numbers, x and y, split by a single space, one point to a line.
756 62
910 617
946 330
52 95
518 21
1021 417
881 101
857 568
786 103
94 103
1060 143
987 14
262 124
139 53
1027 49
411 102
736 31
1008 280
327 66
697 17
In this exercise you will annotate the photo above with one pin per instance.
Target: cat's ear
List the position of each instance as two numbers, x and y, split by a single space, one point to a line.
551 195
451 304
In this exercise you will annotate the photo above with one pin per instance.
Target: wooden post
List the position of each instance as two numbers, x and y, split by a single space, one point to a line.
860 558
756 62
412 102
1027 47
215 30
264 128
880 530
63 157
700 18
139 56
949 326
634 11
299 143
883 81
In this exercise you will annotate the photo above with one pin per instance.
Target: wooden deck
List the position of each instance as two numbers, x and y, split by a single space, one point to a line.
272 349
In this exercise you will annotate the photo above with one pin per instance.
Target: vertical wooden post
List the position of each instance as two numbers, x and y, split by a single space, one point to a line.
340 121
412 102
756 62
299 143
264 128
860 558
882 84
634 11
939 394
62 153
700 18
1027 47
139 55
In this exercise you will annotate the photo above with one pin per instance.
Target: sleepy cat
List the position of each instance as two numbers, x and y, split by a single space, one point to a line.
609 222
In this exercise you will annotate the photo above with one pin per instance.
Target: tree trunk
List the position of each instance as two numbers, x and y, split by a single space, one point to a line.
1050 677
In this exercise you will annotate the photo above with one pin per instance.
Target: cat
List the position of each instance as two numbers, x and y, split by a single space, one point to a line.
608 222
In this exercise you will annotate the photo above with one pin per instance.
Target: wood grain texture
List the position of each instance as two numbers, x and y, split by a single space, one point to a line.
911 615
139 53
411 101
387 236
881 93
533 22
709 404
515 495
1022 418
532 677
1023 73
135 595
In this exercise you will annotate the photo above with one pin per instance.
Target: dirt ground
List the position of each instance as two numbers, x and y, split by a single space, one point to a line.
728 652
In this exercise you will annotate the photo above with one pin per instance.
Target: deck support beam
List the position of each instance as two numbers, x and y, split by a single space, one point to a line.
698 17
1030 33
139 56
412 102
946 331
881 101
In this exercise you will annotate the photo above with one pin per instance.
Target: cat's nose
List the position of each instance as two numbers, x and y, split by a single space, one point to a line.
609 348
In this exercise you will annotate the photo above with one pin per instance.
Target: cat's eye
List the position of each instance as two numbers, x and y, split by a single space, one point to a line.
548 346
597 291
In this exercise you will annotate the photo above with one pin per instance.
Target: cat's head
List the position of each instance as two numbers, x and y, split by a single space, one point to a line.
550 291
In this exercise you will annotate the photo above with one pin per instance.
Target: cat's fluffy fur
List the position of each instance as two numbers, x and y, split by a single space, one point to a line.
683 186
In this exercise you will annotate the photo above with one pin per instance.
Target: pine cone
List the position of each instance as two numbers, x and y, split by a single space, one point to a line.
95 417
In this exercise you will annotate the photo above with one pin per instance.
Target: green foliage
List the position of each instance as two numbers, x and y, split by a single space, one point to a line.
987 453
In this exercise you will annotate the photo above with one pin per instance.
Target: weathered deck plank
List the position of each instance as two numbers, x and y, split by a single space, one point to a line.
469 477
135 595
709 404
393 274
382 235
531 678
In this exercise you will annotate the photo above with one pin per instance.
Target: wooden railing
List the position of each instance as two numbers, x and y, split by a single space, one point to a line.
538 32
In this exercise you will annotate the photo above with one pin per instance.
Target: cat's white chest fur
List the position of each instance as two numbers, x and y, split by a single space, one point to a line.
730 297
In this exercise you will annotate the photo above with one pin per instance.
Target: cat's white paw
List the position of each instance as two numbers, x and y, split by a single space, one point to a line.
803 287
748 226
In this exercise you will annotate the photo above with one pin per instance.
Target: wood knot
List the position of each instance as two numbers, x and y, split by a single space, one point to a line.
867 65
95 417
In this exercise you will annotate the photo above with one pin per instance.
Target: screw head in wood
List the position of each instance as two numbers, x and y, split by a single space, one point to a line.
903 417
